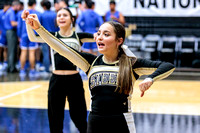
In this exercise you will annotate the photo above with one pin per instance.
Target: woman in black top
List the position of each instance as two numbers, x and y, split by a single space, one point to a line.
65 80
111 76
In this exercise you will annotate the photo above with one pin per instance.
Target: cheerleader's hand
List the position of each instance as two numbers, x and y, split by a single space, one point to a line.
145 85
24 14
33 21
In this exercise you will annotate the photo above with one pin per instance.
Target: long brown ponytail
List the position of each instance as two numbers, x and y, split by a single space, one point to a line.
125 82
124 75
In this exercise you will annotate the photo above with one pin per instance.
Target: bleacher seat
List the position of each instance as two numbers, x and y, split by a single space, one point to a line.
168 49
186 50
149 46
134 43
197 45
169 26
196 62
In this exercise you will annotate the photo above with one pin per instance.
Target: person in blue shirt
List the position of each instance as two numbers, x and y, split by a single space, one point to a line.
10 24
3 42
51 26
19 25
88 21
26 45
113 14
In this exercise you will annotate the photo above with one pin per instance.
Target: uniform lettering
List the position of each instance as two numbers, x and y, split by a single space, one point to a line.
104 78
113 78
73 45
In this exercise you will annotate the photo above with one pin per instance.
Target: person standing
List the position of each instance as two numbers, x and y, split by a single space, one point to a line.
111 75
63 4
51 26
66 80
56 6
19 20
19 27
27 47
113 14
3 41
10 24
88 21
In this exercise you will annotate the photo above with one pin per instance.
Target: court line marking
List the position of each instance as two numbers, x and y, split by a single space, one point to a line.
20 92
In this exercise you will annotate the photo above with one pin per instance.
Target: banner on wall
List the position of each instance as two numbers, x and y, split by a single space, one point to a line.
174 8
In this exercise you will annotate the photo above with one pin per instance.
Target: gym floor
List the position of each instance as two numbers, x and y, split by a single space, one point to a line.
170 106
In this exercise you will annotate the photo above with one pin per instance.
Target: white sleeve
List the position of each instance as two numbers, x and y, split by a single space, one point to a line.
31 35
63 49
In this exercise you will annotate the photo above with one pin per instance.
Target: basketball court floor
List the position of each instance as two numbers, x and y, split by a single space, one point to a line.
170 106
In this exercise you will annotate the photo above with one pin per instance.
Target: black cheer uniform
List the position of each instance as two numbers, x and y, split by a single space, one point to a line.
110 110
62 86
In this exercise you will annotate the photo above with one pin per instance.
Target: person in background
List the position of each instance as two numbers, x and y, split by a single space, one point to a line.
63 4
21 8
19 13
3 42
56 6
10 24
51 26
66 80
27 47
79 9
113 14
111 75
88 21
19 26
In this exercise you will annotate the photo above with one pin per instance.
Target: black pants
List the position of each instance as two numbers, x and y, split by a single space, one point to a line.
60 87
12 41
107 124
